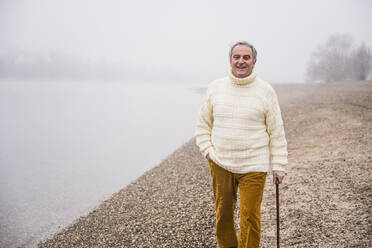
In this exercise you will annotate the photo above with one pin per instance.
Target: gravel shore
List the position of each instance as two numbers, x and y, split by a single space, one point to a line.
325 200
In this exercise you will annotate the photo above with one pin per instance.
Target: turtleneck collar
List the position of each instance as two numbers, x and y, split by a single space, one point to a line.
242 82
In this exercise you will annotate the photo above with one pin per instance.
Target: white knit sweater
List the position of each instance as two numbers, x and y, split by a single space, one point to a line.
241 127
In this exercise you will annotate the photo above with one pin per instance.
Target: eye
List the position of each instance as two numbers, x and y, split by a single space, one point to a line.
236 56
246 57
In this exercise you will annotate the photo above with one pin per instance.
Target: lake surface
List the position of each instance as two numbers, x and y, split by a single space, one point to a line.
67 146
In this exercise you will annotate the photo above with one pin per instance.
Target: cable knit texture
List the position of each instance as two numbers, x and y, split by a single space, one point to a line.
241 127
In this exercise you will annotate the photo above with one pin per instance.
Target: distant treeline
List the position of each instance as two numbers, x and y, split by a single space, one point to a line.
27 65
340 59
56 65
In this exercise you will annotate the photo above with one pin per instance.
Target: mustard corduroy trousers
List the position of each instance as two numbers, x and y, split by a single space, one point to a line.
225 186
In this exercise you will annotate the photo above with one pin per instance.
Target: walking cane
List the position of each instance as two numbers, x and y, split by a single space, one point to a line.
277 212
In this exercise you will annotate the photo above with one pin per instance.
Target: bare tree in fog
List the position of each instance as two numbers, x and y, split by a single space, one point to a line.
362 62
338 60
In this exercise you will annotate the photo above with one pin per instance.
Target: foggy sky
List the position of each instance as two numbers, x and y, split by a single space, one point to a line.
177 40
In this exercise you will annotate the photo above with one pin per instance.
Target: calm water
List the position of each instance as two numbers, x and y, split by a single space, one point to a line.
67 146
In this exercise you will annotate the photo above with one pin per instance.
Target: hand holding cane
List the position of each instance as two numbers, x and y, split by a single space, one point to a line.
277 212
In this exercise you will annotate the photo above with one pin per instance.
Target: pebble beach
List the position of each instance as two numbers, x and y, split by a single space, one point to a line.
325 200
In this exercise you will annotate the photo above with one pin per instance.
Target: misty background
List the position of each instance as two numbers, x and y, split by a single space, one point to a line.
176 41
94 93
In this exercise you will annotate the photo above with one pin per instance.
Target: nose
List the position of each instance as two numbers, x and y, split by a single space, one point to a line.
241 60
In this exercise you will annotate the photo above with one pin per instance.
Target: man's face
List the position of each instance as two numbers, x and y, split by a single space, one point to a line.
241 61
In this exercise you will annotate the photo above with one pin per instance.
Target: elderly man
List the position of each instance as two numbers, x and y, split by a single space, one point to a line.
240 131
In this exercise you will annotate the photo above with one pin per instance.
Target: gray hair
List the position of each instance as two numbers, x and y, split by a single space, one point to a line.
244 43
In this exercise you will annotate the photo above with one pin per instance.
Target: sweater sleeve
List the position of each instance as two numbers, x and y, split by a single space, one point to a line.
275 129
204 125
